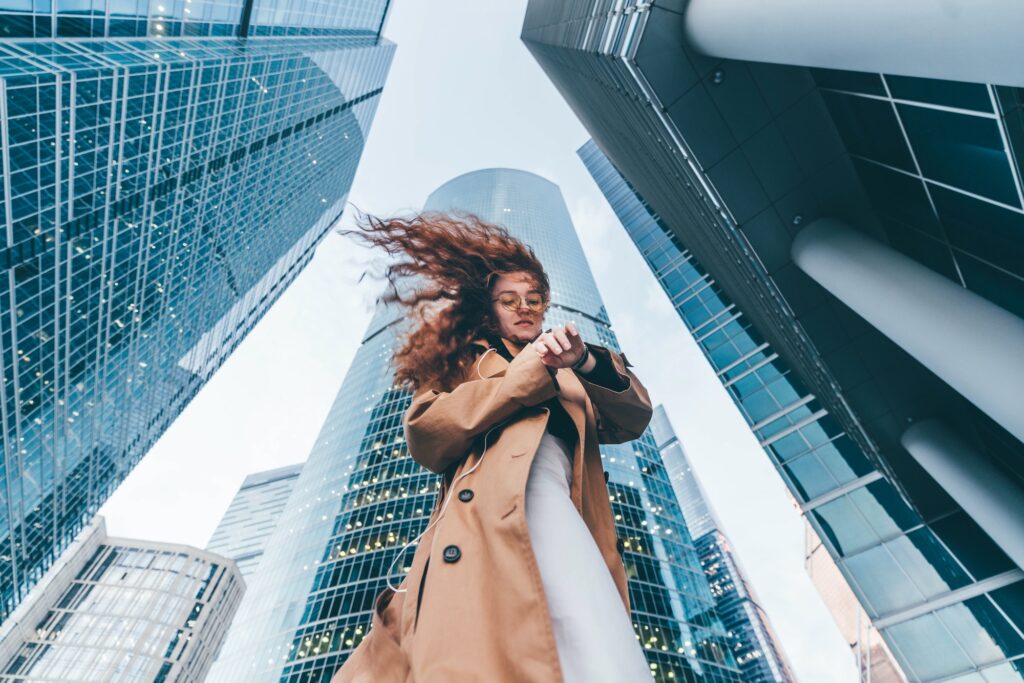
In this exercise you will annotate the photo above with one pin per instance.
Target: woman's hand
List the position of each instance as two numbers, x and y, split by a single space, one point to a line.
560 347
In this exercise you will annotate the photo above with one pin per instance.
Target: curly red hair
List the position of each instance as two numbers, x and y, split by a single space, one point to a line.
444 268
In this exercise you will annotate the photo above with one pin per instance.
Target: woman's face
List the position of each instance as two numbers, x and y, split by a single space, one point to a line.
518 322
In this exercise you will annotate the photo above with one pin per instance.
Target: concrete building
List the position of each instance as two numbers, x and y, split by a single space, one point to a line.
114 609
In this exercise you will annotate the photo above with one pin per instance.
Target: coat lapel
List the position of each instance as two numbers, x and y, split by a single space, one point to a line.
572 396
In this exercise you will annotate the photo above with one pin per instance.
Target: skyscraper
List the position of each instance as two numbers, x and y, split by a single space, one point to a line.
360 496
928 558
692 500
754 644
115 609
163 182
252 515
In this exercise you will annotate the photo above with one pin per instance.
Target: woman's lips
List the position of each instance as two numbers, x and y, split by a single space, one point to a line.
524 322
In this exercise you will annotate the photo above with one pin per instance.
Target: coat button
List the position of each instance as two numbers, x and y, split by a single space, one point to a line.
606 476
466 495
452 553
619 545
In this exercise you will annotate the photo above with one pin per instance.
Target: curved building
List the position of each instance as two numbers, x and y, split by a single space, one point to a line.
361 498
134 138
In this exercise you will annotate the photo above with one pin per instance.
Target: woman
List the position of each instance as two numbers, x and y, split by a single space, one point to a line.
517 577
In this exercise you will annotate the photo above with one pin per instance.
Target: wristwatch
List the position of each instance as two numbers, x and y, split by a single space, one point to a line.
582 359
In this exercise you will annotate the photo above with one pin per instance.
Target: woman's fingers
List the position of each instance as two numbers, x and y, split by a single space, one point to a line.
573 334
546 357
552 343
562 338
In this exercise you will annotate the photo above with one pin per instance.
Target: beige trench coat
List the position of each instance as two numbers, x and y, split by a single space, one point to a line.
484 617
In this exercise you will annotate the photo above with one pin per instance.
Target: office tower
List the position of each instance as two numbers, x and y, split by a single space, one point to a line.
361 497
929 550
754 644
693 501
163 182
252 515
114 609
870 653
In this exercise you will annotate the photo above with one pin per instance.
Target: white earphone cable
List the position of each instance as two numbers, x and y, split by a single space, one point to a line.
440 515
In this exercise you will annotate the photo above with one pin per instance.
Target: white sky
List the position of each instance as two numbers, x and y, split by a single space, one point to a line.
464 94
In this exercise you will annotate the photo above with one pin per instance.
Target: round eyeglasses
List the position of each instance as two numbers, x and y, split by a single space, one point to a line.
511 301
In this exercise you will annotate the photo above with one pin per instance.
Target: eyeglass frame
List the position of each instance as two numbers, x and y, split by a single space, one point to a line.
520 300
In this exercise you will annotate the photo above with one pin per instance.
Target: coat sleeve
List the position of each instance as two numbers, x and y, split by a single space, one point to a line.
440 426
623 408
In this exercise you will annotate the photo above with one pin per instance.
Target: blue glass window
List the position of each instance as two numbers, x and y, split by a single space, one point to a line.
961 150
1011 600
971 545
900 196
950 93
927 649
982 630
990 232
865 516
810 476
870 129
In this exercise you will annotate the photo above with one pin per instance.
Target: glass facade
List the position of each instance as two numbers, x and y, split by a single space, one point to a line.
940 162
754 645
930 579
122 610
692 500
871 655
252 515
188 18
360 496
134 258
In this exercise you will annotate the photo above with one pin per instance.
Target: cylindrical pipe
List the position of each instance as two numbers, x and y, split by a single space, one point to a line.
960 40
985 493
968 341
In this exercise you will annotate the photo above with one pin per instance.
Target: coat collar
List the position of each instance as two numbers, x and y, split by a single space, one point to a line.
490 363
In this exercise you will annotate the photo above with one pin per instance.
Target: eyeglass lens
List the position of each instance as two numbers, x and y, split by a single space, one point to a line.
512 301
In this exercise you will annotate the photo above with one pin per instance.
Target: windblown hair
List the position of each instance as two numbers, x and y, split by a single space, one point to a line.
451 260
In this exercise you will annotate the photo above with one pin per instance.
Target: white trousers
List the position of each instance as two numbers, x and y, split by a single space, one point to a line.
593 632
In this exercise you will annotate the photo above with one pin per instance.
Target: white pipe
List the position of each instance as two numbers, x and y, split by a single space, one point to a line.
965 339
985 493
960 40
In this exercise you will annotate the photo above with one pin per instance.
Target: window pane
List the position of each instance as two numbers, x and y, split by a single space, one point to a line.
926 642
961 150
